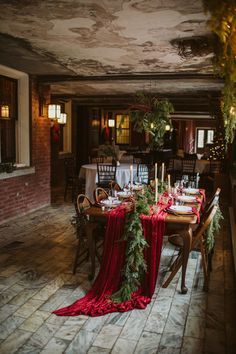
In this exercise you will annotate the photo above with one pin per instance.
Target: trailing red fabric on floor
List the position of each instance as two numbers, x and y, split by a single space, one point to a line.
97 302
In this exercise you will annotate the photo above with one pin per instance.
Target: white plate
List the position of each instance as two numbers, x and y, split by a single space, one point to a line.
137 188
110 203
123 194
187 198
183 209
191 190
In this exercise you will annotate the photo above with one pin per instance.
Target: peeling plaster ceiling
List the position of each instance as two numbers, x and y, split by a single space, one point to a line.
93 47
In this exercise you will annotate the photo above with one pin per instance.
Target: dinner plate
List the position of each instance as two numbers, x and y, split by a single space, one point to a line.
181 209
111 203
137 187
191 190
123 194
187 198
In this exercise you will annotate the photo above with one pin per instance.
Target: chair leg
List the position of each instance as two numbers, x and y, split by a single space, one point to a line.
76 259
177 265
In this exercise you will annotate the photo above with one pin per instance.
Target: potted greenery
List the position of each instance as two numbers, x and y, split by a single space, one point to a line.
151 115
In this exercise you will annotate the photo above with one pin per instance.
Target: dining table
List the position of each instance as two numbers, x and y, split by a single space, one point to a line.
89 173
173 222
109 282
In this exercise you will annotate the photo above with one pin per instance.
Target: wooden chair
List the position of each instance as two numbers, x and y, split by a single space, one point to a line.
188 168
106 174
174 169
198 244
71 178
98 159
115 186
145 172
87 244
100 194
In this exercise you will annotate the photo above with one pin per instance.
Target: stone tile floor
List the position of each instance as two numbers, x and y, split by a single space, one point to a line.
36 258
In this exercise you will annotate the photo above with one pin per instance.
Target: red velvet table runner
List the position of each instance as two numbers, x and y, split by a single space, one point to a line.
97 301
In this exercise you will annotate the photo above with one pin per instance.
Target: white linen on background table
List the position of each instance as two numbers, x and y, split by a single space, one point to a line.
89 173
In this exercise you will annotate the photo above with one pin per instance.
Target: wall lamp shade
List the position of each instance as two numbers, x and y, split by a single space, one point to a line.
54 111
5 111
111 123
62 119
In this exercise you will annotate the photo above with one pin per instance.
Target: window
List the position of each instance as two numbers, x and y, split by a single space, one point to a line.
204 136
122 129
14 136
8 116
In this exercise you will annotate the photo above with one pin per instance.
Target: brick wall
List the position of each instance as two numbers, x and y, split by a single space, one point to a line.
19 195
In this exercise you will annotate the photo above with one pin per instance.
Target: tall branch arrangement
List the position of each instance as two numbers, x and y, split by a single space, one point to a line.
223 25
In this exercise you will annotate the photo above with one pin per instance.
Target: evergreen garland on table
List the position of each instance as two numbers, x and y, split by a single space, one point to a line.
135 265
212 229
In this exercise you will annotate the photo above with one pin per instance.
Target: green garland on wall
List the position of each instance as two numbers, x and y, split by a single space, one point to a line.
223 25
212 229
135 265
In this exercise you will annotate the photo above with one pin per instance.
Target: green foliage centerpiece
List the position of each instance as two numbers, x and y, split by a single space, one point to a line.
151 115
135 265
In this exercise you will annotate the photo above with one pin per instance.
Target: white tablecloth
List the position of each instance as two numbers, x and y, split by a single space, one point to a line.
89 172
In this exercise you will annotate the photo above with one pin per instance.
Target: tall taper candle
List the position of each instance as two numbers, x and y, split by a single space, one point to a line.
155 171
162 171
131 176
156 190
168 178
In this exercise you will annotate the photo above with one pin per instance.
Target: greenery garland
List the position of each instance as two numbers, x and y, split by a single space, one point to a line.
135 265
223 25
212 229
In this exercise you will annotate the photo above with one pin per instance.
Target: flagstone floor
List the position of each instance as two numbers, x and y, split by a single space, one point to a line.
36 258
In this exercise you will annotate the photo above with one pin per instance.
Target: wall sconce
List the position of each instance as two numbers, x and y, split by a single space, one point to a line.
5 112
111 123
62 119
54 111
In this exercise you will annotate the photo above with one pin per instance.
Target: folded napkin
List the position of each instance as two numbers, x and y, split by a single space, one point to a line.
196 212
200 201
202 192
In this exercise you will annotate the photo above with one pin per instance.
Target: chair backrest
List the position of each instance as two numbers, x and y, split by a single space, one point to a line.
188 166
70 167
106 173
97 159
203 225
83 203
215 166
100 194
213 200
115 186
145 172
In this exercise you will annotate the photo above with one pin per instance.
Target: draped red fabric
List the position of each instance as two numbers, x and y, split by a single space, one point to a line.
97 301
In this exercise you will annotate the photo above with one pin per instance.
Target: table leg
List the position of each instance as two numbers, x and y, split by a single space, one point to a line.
90 227
187 238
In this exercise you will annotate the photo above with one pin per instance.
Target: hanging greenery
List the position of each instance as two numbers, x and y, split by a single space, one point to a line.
135 265
223 25
212 229
151 115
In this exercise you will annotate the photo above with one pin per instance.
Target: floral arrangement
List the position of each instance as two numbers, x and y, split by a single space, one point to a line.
111 150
